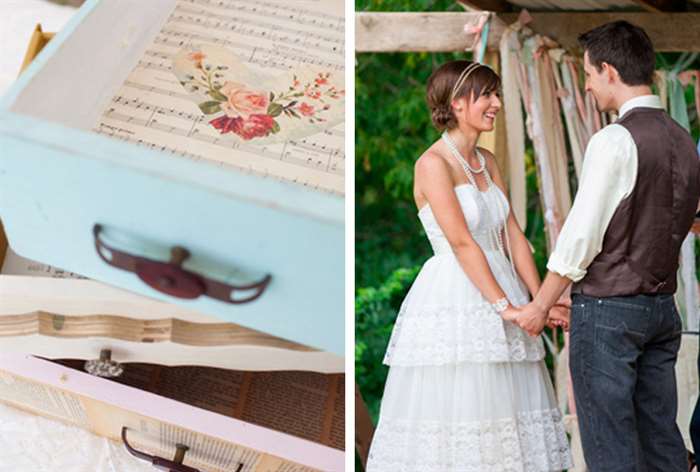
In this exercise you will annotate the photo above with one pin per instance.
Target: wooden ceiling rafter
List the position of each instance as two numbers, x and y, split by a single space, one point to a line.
405 32
497 6
659 6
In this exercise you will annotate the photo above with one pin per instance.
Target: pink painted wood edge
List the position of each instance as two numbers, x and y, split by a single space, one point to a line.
170 411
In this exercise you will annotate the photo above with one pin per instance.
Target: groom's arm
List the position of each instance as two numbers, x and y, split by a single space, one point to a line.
550 291
608 176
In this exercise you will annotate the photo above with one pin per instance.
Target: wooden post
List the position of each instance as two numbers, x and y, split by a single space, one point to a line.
364 429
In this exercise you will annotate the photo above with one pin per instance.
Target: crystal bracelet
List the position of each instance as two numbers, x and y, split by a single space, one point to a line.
500 305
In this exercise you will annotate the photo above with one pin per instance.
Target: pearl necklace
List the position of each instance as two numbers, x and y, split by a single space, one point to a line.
497 229
453 148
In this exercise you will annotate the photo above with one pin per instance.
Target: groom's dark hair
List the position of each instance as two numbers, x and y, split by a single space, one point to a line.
625 47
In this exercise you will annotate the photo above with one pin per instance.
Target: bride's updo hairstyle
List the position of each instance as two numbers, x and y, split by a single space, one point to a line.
453 80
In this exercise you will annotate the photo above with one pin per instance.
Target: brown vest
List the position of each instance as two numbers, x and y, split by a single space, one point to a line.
642 244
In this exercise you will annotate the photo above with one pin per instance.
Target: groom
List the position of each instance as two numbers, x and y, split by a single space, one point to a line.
620 247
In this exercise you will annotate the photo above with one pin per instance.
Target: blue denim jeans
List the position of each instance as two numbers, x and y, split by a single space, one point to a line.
623 354
695 424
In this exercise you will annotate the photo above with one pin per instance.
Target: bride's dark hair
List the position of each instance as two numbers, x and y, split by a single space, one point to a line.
481 80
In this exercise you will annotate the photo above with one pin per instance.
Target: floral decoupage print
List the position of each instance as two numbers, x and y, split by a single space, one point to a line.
238 101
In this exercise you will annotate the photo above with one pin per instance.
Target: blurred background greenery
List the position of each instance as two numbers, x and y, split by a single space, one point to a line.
392 129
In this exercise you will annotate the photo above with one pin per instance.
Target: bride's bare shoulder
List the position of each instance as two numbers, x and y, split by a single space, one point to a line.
431 164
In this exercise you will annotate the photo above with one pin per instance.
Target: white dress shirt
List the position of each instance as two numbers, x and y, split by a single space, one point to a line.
608 176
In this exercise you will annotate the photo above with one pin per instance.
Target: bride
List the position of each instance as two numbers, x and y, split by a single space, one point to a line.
467 390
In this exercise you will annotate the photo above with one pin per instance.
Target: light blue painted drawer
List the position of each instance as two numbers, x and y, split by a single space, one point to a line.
58 180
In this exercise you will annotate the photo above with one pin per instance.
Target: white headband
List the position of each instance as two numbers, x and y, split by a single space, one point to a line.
463 77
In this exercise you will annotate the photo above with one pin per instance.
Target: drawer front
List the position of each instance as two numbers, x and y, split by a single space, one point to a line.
58 183
154 423
77 319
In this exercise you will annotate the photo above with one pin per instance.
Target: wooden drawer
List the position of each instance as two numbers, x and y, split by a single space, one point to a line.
57 317
60 181
269 422
266 405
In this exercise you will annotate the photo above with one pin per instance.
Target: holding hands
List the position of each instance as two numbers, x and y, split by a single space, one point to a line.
533 318
559 316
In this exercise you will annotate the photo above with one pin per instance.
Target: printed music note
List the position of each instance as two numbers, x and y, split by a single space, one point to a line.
153 110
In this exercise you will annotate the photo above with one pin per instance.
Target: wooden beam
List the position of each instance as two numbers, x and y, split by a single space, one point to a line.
662 5
430 32
669 32
486 5
437 31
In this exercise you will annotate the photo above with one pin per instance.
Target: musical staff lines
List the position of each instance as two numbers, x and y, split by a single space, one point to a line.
285 57
300 16
153 110
305 152
231 23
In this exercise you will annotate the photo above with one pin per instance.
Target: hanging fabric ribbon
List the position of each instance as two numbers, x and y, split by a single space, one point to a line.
480 31
686 79
548 137
567 97
687 295
662 87
515 126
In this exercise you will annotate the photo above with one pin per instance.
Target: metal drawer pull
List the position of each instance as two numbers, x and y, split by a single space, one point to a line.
171 278
104 366
174 465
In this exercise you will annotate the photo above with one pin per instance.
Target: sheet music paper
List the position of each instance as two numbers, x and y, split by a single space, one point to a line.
270 37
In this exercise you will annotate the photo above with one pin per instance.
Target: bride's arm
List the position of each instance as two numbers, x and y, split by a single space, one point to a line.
435 183
519 246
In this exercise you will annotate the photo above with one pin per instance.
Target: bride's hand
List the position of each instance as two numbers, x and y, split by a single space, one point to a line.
510 314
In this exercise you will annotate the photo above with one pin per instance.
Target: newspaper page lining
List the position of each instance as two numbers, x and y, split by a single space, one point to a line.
145 433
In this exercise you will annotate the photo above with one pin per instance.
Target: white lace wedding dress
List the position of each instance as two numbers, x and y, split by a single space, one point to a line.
466 391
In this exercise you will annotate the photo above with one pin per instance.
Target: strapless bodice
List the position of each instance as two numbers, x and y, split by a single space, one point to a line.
482 215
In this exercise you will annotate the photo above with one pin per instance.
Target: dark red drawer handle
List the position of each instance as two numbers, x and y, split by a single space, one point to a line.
171 278
174 465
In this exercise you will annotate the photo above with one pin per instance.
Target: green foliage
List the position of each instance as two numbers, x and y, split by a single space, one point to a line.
392 129
375 313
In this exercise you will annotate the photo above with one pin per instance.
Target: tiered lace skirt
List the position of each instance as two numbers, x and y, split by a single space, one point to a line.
466 391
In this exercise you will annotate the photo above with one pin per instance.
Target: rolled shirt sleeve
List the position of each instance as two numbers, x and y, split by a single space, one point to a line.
608 176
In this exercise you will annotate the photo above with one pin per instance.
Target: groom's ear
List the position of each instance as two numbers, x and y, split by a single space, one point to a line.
610 72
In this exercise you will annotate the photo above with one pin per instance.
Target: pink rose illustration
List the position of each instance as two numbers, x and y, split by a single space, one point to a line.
243 102
306 109
251 113
256 126
225 124
197 57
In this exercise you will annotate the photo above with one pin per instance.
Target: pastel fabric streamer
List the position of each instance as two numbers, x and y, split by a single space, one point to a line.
480 30
548 139
687 296
515 125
